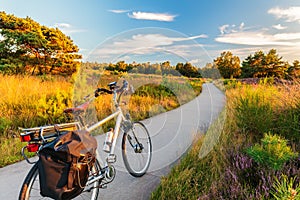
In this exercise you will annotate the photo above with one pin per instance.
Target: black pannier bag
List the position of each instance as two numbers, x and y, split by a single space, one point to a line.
64 164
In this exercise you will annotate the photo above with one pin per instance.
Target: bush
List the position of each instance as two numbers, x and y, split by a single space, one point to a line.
272 152
286 189
243 178
4 125
50 107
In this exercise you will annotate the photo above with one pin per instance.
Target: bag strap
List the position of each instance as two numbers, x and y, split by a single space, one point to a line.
72 173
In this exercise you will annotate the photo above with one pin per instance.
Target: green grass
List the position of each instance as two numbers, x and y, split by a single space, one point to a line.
218 167
286 189
198 169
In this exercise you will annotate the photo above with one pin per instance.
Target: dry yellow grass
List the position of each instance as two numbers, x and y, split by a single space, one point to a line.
23 97
32 101
25 101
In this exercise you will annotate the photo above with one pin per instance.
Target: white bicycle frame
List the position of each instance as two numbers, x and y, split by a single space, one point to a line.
120 118
118 114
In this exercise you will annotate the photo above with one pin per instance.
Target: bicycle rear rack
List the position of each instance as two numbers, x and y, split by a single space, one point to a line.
38 136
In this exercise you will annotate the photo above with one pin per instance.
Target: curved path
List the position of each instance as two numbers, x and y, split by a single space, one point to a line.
172 134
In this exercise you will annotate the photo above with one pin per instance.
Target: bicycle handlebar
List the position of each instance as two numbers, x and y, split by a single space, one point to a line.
99 90
113 88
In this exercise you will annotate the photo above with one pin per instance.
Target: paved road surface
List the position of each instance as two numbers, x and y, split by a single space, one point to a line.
172 134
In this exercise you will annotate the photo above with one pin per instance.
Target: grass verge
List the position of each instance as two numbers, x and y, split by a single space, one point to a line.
225 170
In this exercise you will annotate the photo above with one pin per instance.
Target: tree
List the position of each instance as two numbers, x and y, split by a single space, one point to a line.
28 47
121 66
156 68
272 65
294 70
261 65
228 65
188 70
251 64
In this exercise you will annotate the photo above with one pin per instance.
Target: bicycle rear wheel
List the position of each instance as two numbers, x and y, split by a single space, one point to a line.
137 149
30 189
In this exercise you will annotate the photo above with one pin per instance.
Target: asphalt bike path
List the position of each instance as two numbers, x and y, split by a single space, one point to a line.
172 133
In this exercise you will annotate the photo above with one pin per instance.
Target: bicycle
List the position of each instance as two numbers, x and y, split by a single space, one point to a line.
136 145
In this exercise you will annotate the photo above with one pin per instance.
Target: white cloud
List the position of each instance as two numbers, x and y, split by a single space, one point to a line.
68 28
226 28
195 61
287 44
62 25
153 40
279 27
118 11
260 38
287 36
144 45
152 16
223 28
242 25
291 14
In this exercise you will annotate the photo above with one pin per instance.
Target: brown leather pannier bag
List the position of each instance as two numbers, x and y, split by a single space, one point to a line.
65 163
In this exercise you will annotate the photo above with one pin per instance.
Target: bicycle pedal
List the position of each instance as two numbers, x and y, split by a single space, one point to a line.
103 186
112 158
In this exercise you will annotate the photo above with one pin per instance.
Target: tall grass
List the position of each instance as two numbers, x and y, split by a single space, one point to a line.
152 94
226 171
28 102
36 101
262 108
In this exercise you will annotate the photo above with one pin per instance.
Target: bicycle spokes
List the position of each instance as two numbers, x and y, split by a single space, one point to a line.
138 147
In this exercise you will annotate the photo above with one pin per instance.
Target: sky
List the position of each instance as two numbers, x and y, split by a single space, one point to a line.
195 31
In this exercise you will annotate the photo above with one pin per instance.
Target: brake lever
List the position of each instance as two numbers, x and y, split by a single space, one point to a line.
86 97
132 89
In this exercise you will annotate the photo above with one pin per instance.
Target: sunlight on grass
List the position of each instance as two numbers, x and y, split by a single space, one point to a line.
28 101
224 170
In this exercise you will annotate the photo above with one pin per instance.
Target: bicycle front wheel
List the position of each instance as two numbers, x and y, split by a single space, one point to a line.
137 149
30 189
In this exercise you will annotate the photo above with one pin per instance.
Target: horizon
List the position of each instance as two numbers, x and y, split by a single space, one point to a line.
195 32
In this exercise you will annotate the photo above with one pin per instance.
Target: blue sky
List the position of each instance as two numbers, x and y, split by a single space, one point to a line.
177 30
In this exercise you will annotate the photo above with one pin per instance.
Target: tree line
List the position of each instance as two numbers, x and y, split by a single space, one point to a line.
26 47
165 68
258 65
227 65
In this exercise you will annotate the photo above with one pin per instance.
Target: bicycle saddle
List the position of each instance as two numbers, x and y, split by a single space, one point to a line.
77 109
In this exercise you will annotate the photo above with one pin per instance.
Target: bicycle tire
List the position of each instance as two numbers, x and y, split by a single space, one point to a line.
130 153
30 189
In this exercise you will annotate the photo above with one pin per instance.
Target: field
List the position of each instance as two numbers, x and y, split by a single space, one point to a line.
35 101
257 156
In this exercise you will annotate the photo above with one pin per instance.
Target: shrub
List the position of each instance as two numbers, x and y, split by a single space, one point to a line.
4 125
50 107
286 189
272 152
243 178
